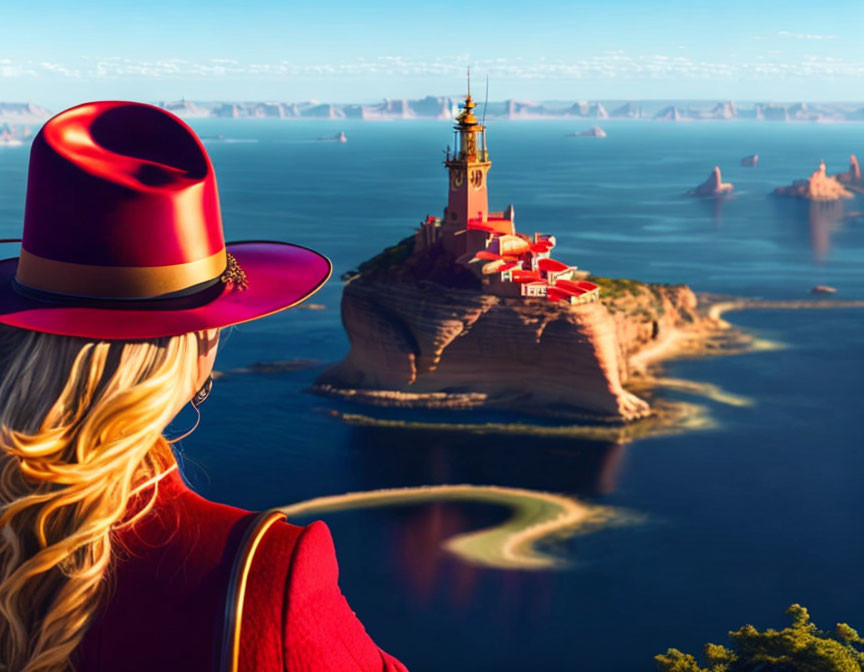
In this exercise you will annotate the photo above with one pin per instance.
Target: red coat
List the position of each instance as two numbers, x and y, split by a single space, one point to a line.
165 606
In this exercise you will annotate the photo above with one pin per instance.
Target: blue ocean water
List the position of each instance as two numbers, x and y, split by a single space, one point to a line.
735 523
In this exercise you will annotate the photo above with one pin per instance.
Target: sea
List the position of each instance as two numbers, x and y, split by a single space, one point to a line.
706 529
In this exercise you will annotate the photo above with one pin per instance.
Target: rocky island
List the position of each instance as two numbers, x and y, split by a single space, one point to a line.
593 132
469 312
852 177
818 187
713 186
339 137
12 137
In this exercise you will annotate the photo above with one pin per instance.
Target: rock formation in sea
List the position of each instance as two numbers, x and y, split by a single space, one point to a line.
818 187
713 186
470 312
628 111
671 113
9 136
769 112
446 107
727 110
523 109
583 108
853 175
186 109
750 161
22 113
593 132
339 137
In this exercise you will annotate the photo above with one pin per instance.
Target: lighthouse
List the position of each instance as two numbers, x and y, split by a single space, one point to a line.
468 165
506 263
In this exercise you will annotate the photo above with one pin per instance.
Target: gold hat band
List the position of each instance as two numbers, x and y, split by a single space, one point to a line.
116 282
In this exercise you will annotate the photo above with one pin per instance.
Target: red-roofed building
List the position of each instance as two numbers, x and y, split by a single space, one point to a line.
534 289
486 255
525 276
552 265
507 262
497 225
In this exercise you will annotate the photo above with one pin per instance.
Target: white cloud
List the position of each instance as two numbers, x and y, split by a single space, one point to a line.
61 69
805 36
606 65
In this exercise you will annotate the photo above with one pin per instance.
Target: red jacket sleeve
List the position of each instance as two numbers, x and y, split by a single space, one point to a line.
321 632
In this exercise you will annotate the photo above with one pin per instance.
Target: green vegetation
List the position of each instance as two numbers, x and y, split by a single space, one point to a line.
614 293
616 288
389 256
801 647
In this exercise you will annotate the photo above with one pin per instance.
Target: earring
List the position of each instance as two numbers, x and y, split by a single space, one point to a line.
202 394
199 398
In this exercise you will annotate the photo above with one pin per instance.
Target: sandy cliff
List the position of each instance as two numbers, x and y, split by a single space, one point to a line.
419 341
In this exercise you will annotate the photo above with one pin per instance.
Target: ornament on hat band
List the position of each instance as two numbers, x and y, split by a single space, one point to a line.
234 274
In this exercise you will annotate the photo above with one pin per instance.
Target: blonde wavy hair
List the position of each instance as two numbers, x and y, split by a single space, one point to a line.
81 425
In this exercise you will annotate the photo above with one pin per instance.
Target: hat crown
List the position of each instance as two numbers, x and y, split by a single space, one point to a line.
121 203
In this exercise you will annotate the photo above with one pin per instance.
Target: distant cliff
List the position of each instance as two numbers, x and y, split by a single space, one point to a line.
423 333
22 113
447 107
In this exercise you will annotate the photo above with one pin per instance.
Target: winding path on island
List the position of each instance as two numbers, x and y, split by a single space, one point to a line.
513 544
535 516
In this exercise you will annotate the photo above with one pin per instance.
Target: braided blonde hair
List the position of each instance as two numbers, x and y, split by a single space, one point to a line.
81 426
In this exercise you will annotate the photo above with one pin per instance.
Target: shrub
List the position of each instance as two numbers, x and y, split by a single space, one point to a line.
800 647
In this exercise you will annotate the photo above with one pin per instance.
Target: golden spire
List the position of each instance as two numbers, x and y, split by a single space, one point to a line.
466 117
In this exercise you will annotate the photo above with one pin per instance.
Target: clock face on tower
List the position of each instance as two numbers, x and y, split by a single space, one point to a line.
476 178
457 178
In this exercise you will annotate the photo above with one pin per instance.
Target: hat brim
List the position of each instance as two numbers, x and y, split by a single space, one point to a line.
279 275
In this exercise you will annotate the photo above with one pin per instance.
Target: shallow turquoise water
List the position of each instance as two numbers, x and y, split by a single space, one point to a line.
737 522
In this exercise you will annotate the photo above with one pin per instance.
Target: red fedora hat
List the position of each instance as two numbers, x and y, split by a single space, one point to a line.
123 235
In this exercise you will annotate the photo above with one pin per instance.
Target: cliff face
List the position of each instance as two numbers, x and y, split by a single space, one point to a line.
423 338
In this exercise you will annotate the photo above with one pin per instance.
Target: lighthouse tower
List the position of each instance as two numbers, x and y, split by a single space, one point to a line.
468 164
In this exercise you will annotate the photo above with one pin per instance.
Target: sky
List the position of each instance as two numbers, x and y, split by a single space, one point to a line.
59 53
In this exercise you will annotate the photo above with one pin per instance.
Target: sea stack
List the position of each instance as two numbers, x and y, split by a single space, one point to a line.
9 136
750 161
819 187
469 312
713 186
670 113
853 175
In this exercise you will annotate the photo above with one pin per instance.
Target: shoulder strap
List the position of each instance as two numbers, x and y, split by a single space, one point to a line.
229 654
